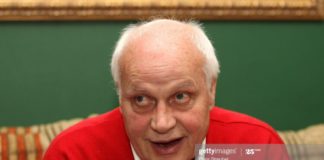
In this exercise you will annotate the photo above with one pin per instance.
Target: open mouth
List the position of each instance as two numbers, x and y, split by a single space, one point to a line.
167 147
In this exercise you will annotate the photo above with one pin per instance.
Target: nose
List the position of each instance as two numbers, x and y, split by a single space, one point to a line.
163 119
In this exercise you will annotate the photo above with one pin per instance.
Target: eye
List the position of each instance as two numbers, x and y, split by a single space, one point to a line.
181 98
139 99
142 100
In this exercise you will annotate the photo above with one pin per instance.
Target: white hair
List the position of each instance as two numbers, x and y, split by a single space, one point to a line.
199 38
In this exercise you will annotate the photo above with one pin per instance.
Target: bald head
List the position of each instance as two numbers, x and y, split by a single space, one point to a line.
164 37
163 28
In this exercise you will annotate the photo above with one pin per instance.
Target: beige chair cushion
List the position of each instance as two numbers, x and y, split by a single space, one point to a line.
30 143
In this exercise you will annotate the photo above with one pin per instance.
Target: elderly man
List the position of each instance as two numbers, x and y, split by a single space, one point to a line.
165 73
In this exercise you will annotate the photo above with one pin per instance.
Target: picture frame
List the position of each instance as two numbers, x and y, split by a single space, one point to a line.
40 10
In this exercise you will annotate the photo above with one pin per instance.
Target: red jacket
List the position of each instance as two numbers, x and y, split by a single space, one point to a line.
104 137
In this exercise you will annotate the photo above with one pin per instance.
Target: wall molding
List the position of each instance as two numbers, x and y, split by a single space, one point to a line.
20 10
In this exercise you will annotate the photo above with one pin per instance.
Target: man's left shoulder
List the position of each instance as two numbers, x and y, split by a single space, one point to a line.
232 127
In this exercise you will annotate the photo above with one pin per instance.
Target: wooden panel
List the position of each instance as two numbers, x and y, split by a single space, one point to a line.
144 9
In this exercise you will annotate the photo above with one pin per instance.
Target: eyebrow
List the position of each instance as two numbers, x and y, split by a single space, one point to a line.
185 84
136 89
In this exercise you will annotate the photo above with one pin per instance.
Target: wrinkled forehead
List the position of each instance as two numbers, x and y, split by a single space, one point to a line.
154 51
158 65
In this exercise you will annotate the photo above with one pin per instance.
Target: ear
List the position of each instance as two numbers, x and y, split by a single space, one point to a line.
117 88
212 92
120 103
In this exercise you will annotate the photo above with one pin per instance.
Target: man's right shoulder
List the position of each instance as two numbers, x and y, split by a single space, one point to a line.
91 138
108 120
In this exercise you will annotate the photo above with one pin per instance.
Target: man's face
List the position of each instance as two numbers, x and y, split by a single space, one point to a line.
164 98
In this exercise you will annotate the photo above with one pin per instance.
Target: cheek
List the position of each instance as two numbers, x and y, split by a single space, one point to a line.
135 124
197 124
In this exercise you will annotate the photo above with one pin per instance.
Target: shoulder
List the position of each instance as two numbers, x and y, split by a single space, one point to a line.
91 138
94 125
232 127
228 117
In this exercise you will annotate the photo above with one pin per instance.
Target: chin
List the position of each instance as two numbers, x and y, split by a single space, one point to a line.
182 153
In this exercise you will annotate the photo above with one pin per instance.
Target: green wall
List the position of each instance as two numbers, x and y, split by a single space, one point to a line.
59 70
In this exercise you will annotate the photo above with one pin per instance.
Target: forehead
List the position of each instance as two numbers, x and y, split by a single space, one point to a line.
161 56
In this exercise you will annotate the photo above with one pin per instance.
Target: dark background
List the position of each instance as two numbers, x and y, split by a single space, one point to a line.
60 70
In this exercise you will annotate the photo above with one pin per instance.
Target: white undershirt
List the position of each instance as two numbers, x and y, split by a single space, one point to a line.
137 158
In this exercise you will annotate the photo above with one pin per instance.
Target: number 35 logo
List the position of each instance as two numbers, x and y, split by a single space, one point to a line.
249 151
